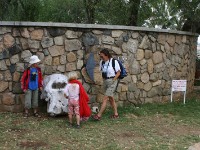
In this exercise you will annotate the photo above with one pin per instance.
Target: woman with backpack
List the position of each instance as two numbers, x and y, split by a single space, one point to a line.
110 76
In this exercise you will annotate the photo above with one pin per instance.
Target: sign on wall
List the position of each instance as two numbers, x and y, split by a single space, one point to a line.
179 85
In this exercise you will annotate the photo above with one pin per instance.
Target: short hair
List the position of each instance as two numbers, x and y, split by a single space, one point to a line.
72 76
106 52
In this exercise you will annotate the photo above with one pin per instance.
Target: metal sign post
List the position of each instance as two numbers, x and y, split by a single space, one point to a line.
179 85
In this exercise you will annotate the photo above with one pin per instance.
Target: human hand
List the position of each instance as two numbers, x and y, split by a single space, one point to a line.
24 91
41 88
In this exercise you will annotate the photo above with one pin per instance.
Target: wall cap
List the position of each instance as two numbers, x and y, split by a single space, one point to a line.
92 26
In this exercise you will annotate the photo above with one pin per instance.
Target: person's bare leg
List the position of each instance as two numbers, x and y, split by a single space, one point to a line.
114 105
78 120
35 110
70 118
103 106
26 110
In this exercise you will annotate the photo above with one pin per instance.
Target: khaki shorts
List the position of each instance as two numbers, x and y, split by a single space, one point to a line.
110 87
31 99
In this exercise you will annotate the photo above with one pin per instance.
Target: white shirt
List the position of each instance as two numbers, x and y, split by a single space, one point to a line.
72 90
107 67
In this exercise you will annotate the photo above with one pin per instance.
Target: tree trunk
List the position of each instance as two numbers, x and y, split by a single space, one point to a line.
135 4
90 10
191 26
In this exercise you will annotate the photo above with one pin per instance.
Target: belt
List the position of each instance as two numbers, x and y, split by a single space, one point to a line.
109 78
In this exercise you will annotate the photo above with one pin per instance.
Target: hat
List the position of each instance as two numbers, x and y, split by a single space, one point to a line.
34 59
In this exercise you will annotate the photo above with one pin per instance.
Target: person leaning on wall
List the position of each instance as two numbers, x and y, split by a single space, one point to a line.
110 82
31 82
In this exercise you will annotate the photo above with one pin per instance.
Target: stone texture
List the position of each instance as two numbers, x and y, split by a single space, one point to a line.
145 77
152 60
157 57
58 40
147 54
20 67
48 60
150 66
8 40
63 59
3 86
116 33
72 34
161 39
8 99
3 65
70 66
135 35
143 62
80 54
107 39
15 32
145 44
71 45
24 32
24 43
15 49
85 76
79 64
71 57
17 88
171 40
134 67
40 56
56 61
56 50
14 59
56 31
7 75
61 68
147 86
47 42
130 46
139 54
34 44
157 83
16 76
117 50
37 34
97 32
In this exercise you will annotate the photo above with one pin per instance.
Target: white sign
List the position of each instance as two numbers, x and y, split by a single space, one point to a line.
179 85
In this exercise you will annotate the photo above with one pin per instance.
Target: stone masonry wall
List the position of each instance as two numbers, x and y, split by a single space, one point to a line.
152 59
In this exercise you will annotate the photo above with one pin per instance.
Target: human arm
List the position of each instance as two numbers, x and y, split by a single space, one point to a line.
40 79
117 70
23 80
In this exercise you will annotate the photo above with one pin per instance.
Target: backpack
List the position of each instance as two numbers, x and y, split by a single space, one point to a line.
123 72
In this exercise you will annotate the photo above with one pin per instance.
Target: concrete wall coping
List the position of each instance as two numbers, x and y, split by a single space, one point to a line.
92 26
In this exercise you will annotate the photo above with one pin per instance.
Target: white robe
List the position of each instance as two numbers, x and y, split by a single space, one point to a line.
57 103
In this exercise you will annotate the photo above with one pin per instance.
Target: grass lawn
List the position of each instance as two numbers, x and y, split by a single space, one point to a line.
171 126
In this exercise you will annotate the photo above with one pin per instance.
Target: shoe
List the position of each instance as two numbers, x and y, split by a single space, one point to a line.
36 115
96 117
114 116
26 115
77 126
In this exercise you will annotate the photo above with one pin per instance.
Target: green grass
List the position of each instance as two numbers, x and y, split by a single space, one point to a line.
171 126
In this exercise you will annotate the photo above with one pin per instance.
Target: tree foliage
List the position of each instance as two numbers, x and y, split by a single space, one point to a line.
172 14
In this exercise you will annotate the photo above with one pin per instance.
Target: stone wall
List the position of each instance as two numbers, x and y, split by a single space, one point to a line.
152 58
